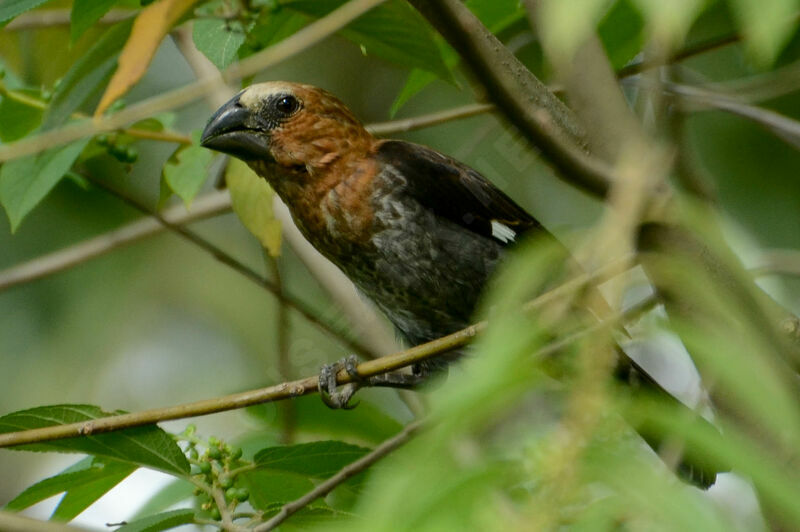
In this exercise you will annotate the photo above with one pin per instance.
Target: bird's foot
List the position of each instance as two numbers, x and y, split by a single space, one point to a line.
333 395
338 397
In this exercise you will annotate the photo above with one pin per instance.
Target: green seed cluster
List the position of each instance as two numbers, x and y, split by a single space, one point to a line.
214 463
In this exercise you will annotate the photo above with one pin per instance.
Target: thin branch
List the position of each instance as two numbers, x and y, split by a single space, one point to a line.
348 471
428 120
47 18
226 517
761 86
778 261
309 385
701 47
301 307
297 42
785 128
691 51
203 207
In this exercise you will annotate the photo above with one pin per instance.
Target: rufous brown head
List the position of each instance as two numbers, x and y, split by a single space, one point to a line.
294 125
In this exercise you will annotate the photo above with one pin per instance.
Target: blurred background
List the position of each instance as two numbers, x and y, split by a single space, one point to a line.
161 322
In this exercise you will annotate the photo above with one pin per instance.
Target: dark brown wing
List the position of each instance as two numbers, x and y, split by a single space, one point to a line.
456 192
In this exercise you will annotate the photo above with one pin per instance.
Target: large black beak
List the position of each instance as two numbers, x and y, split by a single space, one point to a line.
237 131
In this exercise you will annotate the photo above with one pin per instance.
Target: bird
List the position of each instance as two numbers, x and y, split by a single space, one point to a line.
418 232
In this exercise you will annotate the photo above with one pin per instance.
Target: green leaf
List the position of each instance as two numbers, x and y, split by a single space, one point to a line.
393 31
767 24
218 39
19 119
82 483
497 15
54 485
366 423
147 446
272 27
284 473
186 170
87 74
251 197
319 459
622 33
419 79
25 181
11 8
156 523
88 490
268 488
416 81
85 13
174 492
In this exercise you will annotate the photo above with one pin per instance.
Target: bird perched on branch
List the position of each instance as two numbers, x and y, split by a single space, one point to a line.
416 231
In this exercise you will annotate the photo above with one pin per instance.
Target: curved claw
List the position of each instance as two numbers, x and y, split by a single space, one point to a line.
333 396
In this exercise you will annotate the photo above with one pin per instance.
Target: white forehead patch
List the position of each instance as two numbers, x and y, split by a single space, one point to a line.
253 95
502 232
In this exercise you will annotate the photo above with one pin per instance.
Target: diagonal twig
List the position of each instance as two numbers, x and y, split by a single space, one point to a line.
428 120
203 207
785 128
350 470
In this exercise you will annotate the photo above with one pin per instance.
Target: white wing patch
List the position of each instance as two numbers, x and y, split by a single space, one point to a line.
502 232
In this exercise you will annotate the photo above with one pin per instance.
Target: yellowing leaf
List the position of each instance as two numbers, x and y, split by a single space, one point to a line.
149 29
251 197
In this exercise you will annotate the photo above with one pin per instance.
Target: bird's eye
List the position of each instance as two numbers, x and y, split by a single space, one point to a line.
287 105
